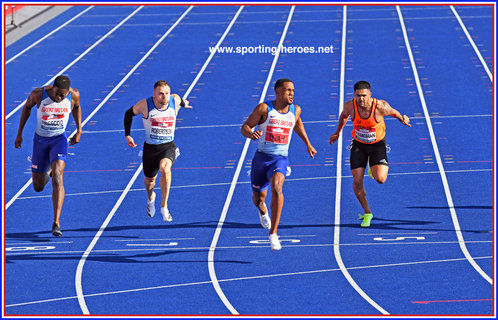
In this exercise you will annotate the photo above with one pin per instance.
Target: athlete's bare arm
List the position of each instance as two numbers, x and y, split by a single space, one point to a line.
34 99
76 112
385 109
178 101
258 116
301 132
343 118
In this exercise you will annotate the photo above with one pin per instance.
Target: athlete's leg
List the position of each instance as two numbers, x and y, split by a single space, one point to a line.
165 168
40 163
277 200
378 161
358 188
58 191
379 172
258 198
40 179
150 183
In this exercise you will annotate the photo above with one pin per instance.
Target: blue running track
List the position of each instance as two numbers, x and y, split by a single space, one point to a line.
430 250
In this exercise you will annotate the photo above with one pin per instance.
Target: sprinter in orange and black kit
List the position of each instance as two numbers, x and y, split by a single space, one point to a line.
369 143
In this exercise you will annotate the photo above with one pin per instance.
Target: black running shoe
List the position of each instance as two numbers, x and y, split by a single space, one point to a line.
56 230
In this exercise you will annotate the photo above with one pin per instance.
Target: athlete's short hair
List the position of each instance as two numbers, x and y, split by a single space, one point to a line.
62 82
280 82
361 85
161 83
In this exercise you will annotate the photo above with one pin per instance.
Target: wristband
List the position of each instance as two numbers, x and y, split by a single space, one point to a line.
182 103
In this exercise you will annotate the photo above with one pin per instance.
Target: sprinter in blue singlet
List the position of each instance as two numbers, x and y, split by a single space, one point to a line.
53 106
160 152
276 120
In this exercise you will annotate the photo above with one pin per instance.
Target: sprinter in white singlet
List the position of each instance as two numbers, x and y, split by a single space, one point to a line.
276 121
160 152
53 106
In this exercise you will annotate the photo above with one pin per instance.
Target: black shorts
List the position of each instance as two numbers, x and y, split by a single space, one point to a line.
154 153
360 153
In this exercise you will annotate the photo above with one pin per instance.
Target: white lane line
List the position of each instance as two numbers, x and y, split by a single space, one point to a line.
155 239
79 270
11 201
79 57
81 263
242 279
337 220
446 186
34 243
252 246
247 182
49 34
14 198
212 272
484 64
288 236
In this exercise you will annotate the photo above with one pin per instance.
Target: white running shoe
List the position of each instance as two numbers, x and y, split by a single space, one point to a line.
166 215
151 209
265 221
274 242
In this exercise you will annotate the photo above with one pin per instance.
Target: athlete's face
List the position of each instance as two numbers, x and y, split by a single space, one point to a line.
162 94
285 93
362 97
59 94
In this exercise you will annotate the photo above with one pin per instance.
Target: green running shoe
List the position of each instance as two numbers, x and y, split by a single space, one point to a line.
370 174
367 217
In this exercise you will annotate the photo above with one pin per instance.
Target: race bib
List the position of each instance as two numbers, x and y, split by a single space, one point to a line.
162 128
277 135
366 135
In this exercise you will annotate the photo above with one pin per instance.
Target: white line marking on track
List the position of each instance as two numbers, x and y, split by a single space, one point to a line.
484 64
394 233
241 279
438 155
266 237
212 272
60 72
337 220
31 243
319 245
79 270
171 244
49 34
80 56
155 239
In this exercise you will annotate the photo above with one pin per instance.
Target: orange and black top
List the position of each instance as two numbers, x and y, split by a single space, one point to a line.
368 130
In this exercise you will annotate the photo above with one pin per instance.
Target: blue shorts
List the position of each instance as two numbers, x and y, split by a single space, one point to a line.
263 167
46 150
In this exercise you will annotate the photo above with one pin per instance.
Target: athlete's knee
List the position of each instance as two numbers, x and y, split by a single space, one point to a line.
381 175
258 198
150 181
165 170
38 187
277 191
358 183
381 179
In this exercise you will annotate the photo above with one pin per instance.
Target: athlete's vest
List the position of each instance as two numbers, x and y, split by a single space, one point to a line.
277 130
52 117
368 130
160 124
